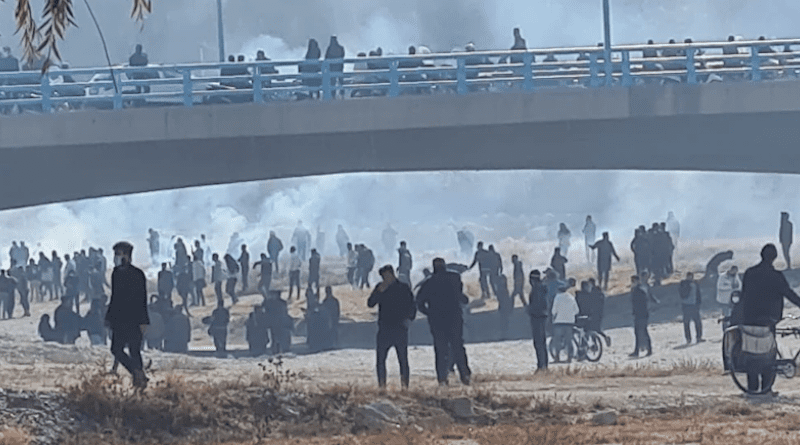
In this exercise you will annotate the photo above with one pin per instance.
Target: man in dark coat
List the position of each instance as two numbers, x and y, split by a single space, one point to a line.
786 235
264 275
691 299
274 247
605 250
538 311
127 312
396 310
313 270
244 262
640 294
763 291
484 261
333 311
218 328
166 283
335 51
440 299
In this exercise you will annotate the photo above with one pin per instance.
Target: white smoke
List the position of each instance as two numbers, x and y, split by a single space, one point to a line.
180 30
425 208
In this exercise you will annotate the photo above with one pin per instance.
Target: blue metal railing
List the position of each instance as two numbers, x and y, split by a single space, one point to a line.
392 76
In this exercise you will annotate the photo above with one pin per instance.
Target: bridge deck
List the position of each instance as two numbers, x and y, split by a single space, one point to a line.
459 73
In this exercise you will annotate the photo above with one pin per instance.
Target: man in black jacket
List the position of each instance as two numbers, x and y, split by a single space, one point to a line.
785 237
537 310
396 310
691 299
440 299
763 291
640 295
127 312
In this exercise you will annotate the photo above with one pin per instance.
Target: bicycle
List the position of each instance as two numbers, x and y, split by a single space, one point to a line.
737 360
586 344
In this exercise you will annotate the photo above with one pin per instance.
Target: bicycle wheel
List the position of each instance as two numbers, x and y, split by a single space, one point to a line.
731 346
551 349
594 347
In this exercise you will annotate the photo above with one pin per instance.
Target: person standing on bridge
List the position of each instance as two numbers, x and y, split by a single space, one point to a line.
310 69
138 58
127 312
396 311
786 235
519 45
335 51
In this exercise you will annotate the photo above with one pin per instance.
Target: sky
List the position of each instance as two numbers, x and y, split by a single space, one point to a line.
424 207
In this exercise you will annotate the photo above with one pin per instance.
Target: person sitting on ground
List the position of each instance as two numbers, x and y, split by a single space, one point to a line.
46 331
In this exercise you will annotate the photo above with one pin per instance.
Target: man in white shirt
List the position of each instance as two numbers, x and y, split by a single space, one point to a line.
565 309
726 285
294 272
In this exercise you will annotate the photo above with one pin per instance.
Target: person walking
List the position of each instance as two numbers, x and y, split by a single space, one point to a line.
440 299
396 311
127 312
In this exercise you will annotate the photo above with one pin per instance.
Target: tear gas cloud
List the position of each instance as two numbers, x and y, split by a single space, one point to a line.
425 208
185 30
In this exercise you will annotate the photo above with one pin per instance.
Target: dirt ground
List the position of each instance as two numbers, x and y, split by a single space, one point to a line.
678 395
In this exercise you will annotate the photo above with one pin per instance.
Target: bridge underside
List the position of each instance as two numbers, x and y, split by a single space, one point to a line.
723 128
752 142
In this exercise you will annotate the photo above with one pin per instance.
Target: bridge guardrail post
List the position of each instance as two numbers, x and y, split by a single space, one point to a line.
626 68
527 73
117 92
755 64
326 80
188 100
461 76
609 69
594 81
394 79
47 105
258 97
691 72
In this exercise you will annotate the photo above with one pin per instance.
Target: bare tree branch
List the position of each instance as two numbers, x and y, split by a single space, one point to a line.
57 17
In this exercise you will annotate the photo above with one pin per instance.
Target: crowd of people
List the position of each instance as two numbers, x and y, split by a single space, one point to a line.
556 303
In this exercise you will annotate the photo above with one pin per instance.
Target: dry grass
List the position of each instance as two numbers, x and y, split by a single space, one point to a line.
14 436
279 408
600 371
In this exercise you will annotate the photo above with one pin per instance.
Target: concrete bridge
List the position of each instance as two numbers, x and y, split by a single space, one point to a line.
736 127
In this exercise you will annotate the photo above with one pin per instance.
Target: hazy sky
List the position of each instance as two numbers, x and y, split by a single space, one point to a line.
179 30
